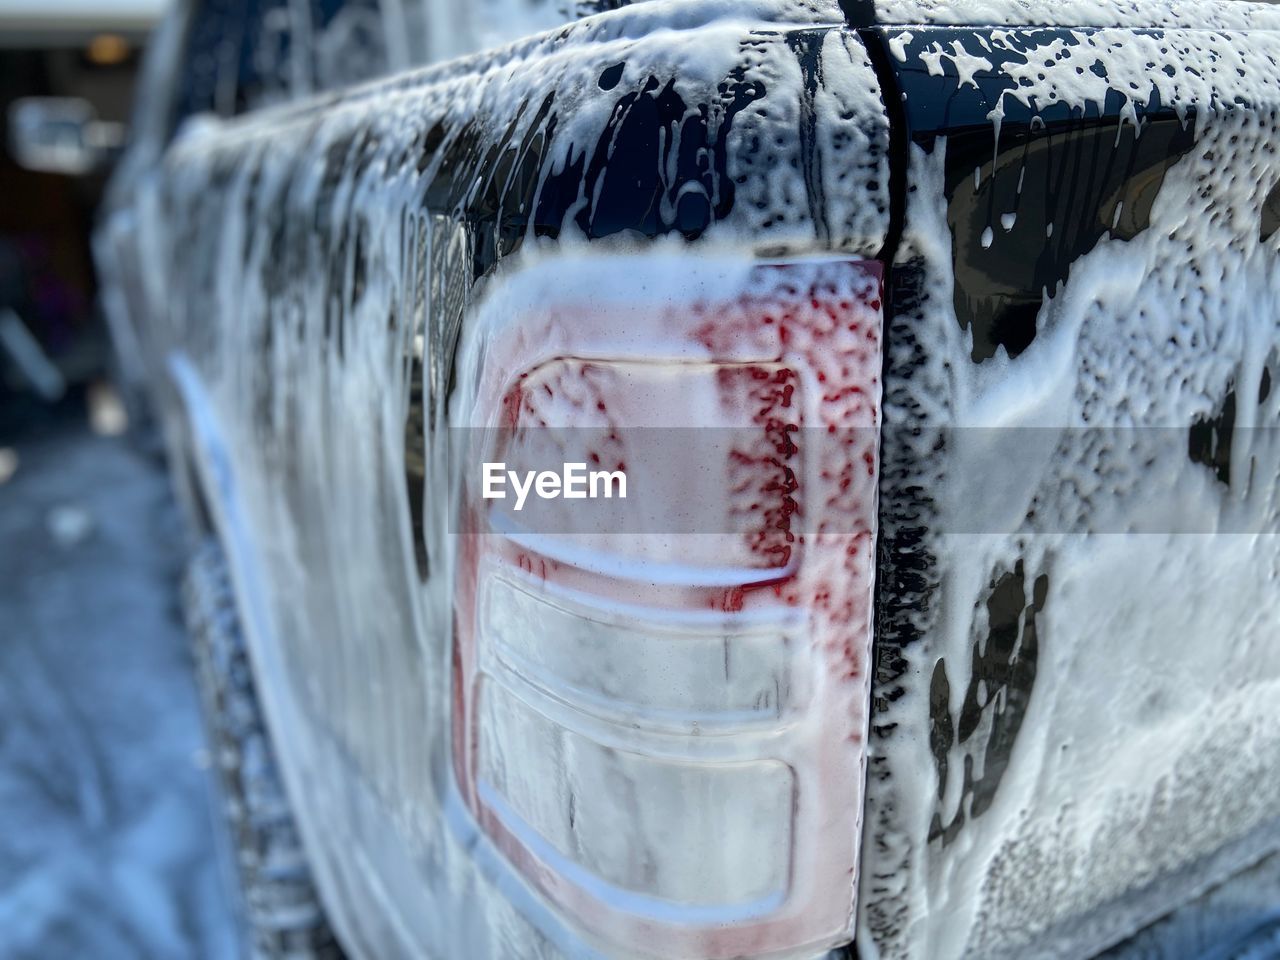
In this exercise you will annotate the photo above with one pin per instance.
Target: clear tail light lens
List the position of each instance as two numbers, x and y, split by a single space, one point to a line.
661 700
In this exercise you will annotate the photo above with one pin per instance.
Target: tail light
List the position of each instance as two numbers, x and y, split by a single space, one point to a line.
661 701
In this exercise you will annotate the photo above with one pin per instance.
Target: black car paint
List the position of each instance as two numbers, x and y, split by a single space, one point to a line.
1091 174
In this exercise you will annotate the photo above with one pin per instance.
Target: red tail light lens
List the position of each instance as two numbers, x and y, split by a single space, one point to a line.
661 700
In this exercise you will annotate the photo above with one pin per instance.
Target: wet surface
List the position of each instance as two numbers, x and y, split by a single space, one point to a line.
1000 687
1088 173
107 847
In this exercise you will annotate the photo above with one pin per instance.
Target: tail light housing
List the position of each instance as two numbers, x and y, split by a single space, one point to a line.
660 701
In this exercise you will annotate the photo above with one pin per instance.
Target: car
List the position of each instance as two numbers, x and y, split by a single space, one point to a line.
935 615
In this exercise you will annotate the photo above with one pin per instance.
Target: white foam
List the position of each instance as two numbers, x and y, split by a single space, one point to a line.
1150 742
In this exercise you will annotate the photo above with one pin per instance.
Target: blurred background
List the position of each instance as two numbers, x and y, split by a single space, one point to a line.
79 59
107 846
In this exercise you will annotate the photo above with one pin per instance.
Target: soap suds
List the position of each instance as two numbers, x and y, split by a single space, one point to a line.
1137 741
314 268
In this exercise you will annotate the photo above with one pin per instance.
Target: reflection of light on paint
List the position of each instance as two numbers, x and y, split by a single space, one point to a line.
107 415
8 463
107 50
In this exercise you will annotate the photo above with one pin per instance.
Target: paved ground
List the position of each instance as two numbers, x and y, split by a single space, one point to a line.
106 838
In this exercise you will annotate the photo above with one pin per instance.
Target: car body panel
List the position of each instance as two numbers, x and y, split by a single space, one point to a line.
1071 712
320 263
1075 632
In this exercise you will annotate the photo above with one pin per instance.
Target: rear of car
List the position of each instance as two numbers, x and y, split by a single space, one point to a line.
719 480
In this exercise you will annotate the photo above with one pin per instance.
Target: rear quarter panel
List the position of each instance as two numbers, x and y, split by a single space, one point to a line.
1074 714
